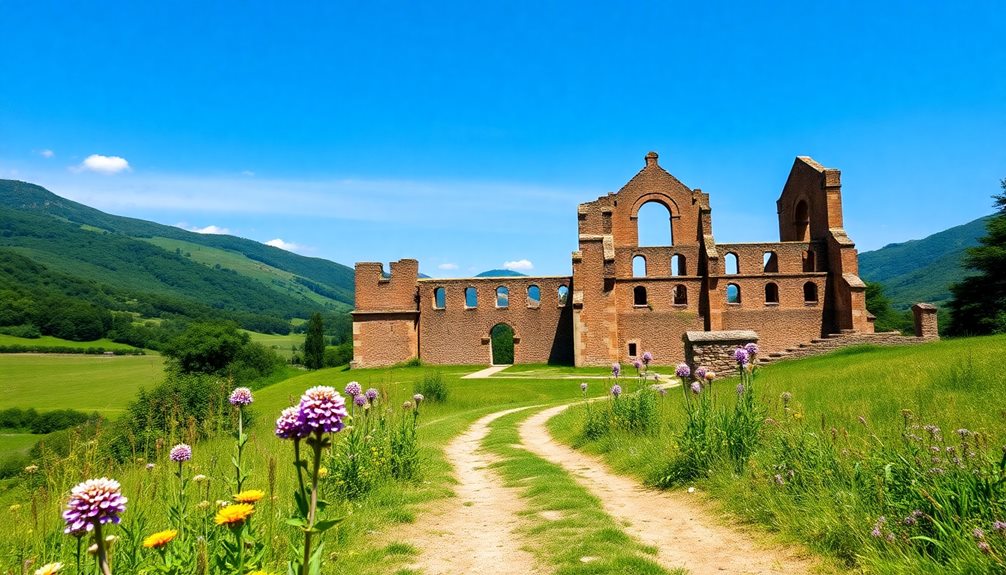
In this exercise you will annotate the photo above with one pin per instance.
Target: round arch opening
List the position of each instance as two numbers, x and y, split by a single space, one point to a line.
501 338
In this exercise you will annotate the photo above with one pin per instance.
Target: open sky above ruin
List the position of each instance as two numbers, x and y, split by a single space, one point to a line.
466 134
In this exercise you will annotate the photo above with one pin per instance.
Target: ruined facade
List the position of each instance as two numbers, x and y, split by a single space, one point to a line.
792 291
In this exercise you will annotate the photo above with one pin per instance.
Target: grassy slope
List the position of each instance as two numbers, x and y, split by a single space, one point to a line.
281 344
49 341
87 383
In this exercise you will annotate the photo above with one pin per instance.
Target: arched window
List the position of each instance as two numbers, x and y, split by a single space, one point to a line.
678 265
639 295
810 292
771 293
471 297
563 293
771 263
439 298
731 263
638 266
733 293
801 221
533 296
808 261
654 226
680 295
502 297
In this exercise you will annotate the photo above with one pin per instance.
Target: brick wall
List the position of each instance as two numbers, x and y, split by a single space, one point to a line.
714 350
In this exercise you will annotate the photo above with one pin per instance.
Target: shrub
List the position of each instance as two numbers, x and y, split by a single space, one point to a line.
433 387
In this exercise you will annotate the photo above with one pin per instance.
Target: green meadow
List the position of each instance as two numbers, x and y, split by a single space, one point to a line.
49 341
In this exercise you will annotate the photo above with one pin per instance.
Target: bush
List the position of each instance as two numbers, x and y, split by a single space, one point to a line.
27 331
339 354
42 423
433 387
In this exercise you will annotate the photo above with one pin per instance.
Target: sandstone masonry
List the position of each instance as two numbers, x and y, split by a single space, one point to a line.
802 288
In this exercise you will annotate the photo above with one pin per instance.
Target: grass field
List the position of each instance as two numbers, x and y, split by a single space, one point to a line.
12 443
49 341
281 344
88 383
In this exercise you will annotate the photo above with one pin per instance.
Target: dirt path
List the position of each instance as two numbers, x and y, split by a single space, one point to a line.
474 532
683 530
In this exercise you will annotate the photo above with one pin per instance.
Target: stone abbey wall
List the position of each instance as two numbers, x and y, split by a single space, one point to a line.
800 288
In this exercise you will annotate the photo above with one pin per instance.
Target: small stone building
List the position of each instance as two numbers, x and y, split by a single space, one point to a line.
622 298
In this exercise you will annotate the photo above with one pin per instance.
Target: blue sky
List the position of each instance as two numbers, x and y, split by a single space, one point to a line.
465 134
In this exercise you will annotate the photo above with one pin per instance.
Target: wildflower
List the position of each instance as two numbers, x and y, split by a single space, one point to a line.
94 501
740 389
710 375
752 349
696 387
878 527
241 396
289 426
936 471
181 452
779 480
616 370
360 400
797 415
978 533
583 387
31 469
984 547
741 356
150 467
663 391
234 515
160 539
418 398
371 394
322 409
700 373
637 364
204 505
616 390
932 429
999 526
199 478
49 569
683 370
14 508
786 397
249 496
963 433
407 405
890 537
322 472
353 389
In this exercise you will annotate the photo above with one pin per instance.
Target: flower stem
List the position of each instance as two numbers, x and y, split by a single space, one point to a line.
102 555
317 445
240 446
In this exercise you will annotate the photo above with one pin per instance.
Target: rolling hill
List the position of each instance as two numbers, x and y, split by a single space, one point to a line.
499 274
921 270
158 268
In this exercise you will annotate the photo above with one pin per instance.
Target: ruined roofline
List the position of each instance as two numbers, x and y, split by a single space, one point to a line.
651 163
518 278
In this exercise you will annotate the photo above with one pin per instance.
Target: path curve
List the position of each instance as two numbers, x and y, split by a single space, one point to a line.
683 531
475 532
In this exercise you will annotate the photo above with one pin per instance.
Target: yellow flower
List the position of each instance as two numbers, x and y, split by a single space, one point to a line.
234 515
49 569
259 573
160 539
15 507
249 496
322 472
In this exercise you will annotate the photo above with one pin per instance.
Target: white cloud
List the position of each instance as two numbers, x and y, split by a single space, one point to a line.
519 265
47 154
447 267
211 229
103 164
284 245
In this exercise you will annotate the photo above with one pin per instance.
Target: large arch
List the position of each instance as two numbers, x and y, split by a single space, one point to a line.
654 215
501 347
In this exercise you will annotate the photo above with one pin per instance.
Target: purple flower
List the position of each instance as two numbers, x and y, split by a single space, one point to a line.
696 387
647 358
150 467
616 370
700 373
663 391
583 387
360 400
418 398
322 409
740 389
353 389
741 356
984 547
637 364
371 394
779 480
93 501
683 370
999 526
241 396
878 527
289 426
978 533
963 433
180 453
616 390
752 349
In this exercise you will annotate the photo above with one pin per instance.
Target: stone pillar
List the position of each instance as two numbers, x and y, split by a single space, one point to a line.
926 325
714 350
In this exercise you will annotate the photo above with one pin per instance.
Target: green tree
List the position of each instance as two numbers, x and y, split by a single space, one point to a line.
206 347
979 301
314 343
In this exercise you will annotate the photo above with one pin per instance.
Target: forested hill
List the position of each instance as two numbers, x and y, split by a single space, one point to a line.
921 270
160 269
